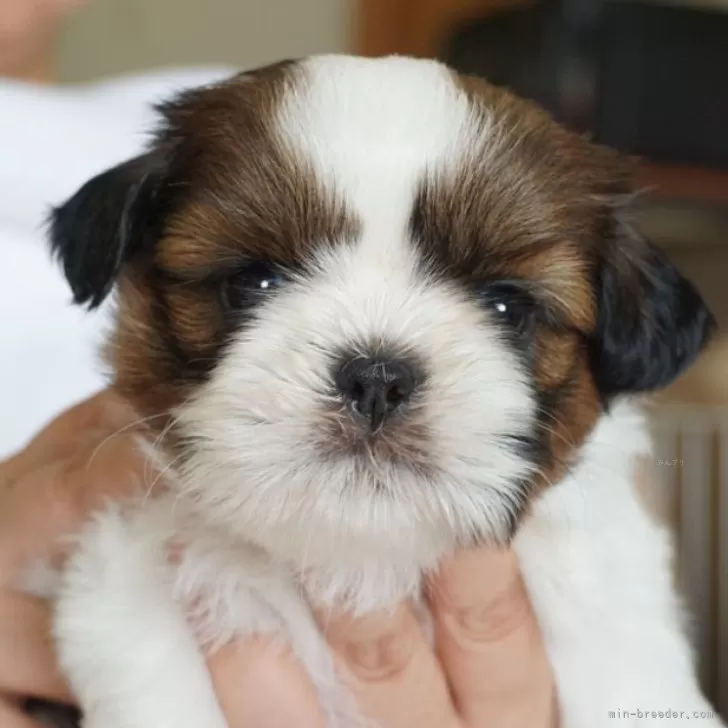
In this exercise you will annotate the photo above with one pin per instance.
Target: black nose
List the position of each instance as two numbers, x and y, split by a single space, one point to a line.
375 388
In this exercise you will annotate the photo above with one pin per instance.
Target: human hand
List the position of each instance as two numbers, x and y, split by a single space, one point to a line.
490 667
46 492
489 670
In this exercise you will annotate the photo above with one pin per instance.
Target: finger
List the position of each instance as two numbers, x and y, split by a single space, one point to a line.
32 519
58 439
89 422
489 642
258 683
27 661
56 499
386 663
12 717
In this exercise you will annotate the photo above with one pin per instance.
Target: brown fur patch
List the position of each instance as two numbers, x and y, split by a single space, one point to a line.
531 204
238 197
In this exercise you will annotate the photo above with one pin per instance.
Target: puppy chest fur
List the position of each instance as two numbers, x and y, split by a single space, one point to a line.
375 312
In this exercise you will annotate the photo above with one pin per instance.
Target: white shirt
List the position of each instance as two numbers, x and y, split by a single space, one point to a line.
51 141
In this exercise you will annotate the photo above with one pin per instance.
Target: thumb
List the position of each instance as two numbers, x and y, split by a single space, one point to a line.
36 512
53 501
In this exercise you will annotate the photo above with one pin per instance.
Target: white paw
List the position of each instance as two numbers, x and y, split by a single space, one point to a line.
123 642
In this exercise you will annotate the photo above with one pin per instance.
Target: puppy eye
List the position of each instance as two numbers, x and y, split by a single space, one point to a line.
246 285
510 303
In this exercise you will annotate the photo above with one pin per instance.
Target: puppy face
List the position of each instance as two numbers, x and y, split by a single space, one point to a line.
374 306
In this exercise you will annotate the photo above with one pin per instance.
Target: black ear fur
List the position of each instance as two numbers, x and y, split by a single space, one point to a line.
652 322
109 219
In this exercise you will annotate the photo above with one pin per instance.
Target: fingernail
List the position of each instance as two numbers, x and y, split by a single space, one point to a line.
475 578
480 595
375 647
380 659
473 619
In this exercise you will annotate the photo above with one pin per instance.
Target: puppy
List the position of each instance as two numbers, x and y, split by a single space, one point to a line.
373 312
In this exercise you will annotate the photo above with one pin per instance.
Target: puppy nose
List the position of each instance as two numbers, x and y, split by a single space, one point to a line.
375 388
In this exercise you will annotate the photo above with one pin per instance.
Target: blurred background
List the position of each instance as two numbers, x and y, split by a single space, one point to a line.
117 36
650 78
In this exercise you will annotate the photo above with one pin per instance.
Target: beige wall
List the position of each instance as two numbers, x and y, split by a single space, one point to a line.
115 36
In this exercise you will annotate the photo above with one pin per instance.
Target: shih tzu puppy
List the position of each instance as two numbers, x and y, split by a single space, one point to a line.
374 312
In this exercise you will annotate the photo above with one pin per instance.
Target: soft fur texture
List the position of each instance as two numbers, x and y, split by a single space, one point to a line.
310 213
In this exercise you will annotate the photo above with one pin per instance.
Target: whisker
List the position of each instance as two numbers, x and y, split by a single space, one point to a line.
120 431
159 476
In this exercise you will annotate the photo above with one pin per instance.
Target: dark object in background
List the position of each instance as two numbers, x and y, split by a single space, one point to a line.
53 715
664 90
505 49
649 79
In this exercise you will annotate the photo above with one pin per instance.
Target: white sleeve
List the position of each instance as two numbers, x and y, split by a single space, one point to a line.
48 347
52 140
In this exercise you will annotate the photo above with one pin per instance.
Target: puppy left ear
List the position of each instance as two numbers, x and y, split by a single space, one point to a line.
651 321
106 222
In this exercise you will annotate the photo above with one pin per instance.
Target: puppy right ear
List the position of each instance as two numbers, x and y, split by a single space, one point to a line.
112 217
